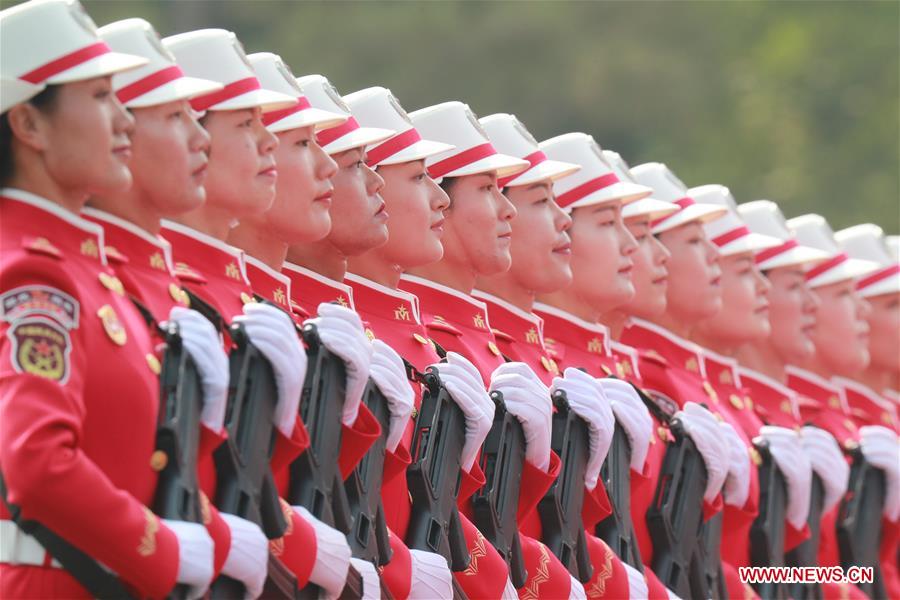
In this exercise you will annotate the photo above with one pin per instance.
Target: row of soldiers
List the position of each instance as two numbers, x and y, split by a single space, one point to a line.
432 357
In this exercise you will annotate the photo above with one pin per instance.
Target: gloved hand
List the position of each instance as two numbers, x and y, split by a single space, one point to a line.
637 584
371 584
431 577
737 479
703 429
880 447
195 556
465 386
332 555
586 398
341 331
785 447
273 333
526 397
576 591
248 555
632 416
827 462
202 342
509 591
389 374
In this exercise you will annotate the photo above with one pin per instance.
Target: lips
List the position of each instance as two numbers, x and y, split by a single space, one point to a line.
326 197
565 248
200 171
626 269
270 171
662 279
381 208
438 225
122 150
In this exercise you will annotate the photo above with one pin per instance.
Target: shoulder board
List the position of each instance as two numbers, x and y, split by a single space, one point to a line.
299 311
443 326
114 255
653 356
41 245
185 273
502 335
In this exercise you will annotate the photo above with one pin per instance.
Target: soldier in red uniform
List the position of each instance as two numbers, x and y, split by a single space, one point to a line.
69 422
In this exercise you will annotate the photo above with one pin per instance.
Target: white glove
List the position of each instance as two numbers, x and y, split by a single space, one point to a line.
526 397
703 429
332 555
509 591
672 595
632 415
576 590
389 374
273 333
248 555
195 556
785 447
637 583
202 342
465 386
737 480
880 447
827 462
431 577
371 584
341 331
586 398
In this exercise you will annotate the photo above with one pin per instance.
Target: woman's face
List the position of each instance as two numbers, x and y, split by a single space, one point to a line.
541 250
300 213
358 214
477 230
242 174
169 160
650 274
602 250
884 323
792 314
416 205
841 335
694 292
745 303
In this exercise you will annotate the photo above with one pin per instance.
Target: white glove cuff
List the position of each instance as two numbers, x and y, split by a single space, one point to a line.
576 590
195 555
431 577
371 584
637 584
332 555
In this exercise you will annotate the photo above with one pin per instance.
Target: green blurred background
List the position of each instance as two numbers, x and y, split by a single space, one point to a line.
798 102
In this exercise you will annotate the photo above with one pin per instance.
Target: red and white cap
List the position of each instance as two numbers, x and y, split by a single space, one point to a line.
596 182
509 136
764 216
893 244
454 123
160 80
218 55
273 74
729 232
377 107
813 230
50 42
666 186
866 242
15 91
642 207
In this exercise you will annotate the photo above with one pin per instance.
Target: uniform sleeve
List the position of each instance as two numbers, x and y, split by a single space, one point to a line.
356 440
297 547
535 483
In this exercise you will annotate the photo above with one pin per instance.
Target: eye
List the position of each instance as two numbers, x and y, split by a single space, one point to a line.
176 114
303 143
543 201
420 176
248 123
360 164
694 241
103 94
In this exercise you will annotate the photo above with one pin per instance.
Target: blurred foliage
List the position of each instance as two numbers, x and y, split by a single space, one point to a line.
798 102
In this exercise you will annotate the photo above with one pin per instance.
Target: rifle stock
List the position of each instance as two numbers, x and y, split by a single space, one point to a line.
767 531
806 554
617 530
859 521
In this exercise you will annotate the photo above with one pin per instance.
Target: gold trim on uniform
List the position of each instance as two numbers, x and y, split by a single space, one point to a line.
232 271
478 320
598 588
850 425
42 244
736 401
147 545
834 402
710 391
531 591
663 433
748 402
89 248
726 378
606 370
343 302
157 262
420 338
246 298
493 348
111 325
112 283
851 445
754 456
158 460
370 334
691 364
545 362
153 363
531 336
401 313
478 550
785 407
595 346
279 296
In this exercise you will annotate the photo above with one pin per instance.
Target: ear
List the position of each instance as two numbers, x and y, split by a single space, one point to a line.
29 126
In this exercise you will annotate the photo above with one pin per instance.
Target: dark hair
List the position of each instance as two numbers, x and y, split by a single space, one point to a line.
44 101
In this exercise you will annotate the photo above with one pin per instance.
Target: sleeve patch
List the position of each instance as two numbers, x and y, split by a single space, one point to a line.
40 347
32 300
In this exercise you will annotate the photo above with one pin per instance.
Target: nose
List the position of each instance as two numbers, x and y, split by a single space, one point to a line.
439 198
506 211
374 181
268 141
712 252
123 121
811 301
561 218
661 253
327 168
200 139
763 286
627 244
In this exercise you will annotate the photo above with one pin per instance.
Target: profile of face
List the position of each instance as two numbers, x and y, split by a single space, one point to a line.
602 251
792 314
416 205
694 291
477 230
745 303
358 214
884 323
650 274
541 250
169 161
81 132
300 212
241 177
841 335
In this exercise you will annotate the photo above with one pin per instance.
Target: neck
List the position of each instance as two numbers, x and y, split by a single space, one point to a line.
715 343
615 320
208 219
322 257
763 358
673 323
374 266
37 181
823 369
253 239
444 272
573 304
880 379
132 206
505 287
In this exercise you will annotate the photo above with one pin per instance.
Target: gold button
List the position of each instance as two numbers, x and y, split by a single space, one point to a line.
736 401
246 298
606 369
620 371
834 402
851 445
755 457
710 391
786 407
546 363
414 414
153 363
112 283
420 338
850 425
748 402
663 433
176 293
158 460
370 334
493 348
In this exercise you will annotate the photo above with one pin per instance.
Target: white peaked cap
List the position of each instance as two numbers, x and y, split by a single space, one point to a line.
454 123
509 136
347 135
893 244
16 91
51 42
218 55
866 242
666 186
644 207
813 230
161 80
764 217
273 74
729 232
377 107
596 182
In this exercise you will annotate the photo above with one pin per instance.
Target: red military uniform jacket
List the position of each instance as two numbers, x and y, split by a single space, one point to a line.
78 404
772 401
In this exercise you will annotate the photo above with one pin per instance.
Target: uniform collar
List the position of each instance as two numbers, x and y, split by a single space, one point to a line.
630 360
127 241
576 332
678 351
721 369
865 404
816 388
217 258
310 289
460 309
383 301
508 319
772 395
268 283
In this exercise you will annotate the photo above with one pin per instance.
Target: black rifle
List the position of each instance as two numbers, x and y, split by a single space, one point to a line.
767 531
617 530
495 505
709 561
859 521
560 508
806 553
